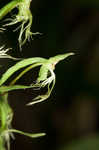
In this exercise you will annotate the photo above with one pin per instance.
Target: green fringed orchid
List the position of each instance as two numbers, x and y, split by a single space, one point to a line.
24 17
46 76
6 130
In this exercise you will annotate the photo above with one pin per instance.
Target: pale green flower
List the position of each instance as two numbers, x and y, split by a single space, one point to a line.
24 16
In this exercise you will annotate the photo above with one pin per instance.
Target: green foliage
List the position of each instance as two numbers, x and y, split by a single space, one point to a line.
18 66
45 78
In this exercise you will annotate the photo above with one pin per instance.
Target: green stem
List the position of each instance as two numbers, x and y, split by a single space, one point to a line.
6 116
2 147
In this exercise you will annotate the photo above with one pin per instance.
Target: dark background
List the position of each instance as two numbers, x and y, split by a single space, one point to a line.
71 115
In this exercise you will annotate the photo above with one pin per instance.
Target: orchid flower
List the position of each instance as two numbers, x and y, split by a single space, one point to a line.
46 76
24 17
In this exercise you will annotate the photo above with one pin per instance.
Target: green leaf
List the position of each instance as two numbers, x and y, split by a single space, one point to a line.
19 65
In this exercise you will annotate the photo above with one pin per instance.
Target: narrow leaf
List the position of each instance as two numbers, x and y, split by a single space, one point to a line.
20 65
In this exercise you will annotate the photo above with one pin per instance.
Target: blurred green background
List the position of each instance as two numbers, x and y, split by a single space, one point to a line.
70 117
